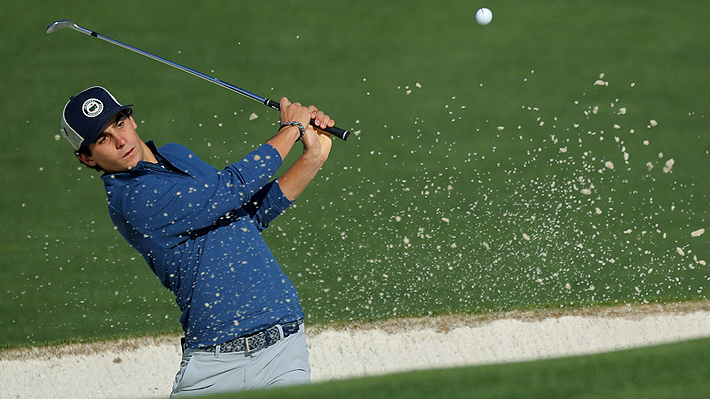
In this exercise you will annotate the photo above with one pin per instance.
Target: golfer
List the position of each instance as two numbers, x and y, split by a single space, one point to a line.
198 228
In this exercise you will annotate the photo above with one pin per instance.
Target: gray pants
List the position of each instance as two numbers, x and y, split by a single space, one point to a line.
282 364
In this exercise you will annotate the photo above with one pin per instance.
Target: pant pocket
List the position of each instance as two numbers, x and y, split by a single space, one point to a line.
180 376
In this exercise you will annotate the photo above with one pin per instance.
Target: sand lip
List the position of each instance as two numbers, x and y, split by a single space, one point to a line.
440 324
445 323
87 349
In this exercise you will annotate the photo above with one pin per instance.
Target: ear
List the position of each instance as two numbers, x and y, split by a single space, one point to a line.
135 125
86 159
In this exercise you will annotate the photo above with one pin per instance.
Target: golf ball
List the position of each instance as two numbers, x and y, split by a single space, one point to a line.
484 16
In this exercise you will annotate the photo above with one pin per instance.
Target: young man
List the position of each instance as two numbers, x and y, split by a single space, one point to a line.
198 228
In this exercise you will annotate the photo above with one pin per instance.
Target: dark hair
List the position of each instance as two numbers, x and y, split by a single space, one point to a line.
84 150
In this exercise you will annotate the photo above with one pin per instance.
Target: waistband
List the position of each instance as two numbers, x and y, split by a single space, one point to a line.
257 340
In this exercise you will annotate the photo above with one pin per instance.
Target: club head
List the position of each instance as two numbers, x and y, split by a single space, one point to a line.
64 23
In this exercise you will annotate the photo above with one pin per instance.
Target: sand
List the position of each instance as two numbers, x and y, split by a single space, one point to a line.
145 368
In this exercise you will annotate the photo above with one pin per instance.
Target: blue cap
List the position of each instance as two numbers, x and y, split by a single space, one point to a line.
86 114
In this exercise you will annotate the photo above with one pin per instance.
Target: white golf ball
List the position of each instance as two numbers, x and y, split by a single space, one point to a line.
484 16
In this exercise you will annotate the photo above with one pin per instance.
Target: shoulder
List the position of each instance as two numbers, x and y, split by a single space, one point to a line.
175 149
185 159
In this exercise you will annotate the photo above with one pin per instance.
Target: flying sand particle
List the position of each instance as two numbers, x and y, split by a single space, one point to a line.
668 166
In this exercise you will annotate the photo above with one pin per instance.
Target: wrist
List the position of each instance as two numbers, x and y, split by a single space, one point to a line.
297 125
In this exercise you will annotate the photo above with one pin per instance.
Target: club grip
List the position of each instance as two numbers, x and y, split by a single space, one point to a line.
335 131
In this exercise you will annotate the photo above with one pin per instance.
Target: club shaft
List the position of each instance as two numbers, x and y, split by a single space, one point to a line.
336 131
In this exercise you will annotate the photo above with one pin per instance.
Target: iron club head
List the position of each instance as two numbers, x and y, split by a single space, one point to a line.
64 23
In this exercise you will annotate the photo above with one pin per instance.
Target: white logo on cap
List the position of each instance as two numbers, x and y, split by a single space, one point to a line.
92 107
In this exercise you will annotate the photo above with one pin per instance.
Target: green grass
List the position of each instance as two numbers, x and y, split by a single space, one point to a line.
669 371
430 209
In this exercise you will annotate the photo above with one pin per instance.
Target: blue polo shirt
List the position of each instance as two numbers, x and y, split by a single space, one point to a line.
198 228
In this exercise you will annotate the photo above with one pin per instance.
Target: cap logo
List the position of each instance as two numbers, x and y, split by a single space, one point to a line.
92 107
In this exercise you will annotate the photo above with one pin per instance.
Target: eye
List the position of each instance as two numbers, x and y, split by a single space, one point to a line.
102 139
119 124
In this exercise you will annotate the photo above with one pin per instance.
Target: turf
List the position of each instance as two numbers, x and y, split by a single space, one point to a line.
667 371
488 171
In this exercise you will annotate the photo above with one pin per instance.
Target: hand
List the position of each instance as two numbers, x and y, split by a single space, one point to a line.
296 112
317 144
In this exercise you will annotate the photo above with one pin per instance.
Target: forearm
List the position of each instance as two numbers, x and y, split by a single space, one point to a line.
267 205
284 140
299 175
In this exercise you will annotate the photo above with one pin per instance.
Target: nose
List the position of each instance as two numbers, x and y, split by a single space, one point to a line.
120 141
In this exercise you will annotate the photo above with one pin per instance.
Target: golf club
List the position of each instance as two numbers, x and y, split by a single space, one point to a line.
65 23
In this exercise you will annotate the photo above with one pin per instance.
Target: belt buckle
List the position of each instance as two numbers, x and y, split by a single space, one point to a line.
259 340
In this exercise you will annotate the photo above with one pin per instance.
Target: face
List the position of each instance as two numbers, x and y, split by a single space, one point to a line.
118 148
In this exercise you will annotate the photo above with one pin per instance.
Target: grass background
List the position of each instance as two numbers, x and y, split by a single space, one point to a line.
477 180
